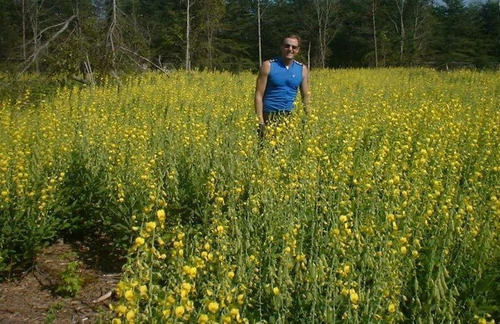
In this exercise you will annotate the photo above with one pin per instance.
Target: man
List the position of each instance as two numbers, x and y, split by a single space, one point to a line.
278 82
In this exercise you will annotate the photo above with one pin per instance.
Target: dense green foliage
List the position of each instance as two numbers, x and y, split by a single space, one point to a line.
104 35
381 205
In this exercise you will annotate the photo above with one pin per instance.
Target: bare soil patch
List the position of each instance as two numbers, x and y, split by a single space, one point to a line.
34 296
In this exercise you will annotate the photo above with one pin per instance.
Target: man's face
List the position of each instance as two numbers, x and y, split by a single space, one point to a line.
290 48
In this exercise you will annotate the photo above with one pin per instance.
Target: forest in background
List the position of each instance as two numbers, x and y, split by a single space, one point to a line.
85 37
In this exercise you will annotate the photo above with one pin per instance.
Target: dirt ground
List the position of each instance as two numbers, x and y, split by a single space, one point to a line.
34 298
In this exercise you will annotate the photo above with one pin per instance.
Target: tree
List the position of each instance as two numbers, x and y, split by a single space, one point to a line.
452 41
329 22
189 3
488 34
210 26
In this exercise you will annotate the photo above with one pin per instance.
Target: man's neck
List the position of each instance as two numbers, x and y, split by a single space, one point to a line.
287 62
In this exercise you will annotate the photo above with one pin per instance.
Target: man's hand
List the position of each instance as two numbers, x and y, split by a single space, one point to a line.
261 131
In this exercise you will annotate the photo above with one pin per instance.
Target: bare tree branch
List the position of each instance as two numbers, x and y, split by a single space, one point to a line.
145 59
32 58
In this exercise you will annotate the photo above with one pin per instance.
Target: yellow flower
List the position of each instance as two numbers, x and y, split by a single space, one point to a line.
276 291
391 308
203 319
116 321
235 312
160 214
213 307
144 290
230 274
186 286
139 241
150 226
121 309
240 299
130 316
353 296
190 271
179 311
129 295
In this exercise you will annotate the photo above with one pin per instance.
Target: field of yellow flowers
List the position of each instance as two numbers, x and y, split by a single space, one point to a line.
380 206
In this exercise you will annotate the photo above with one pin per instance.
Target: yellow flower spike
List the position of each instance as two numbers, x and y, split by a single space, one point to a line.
160 241
120 309
150 226
353 296
169 301
139 241
203 319
130 316
129 295
240 299
235 312
143 290
160 214
186 286
189 306
213 307
179 311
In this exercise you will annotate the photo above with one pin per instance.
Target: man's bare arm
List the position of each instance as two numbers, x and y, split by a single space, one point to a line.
260 88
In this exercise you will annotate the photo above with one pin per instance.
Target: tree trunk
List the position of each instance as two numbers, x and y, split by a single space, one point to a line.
328 26
24 28
188 31
374 24
259 32
402 31
111 33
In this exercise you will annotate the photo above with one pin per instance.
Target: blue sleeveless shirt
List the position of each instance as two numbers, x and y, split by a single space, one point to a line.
282 86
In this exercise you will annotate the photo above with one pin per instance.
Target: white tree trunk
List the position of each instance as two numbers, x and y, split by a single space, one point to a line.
259 32
374 24
188 32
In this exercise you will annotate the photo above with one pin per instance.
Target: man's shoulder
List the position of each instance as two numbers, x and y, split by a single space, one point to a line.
299 63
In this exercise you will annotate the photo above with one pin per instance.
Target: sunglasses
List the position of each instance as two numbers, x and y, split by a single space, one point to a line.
294 47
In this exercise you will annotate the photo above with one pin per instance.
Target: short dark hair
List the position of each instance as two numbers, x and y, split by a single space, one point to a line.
297 37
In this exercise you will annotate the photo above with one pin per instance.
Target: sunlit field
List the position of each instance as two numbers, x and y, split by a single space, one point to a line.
380 206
